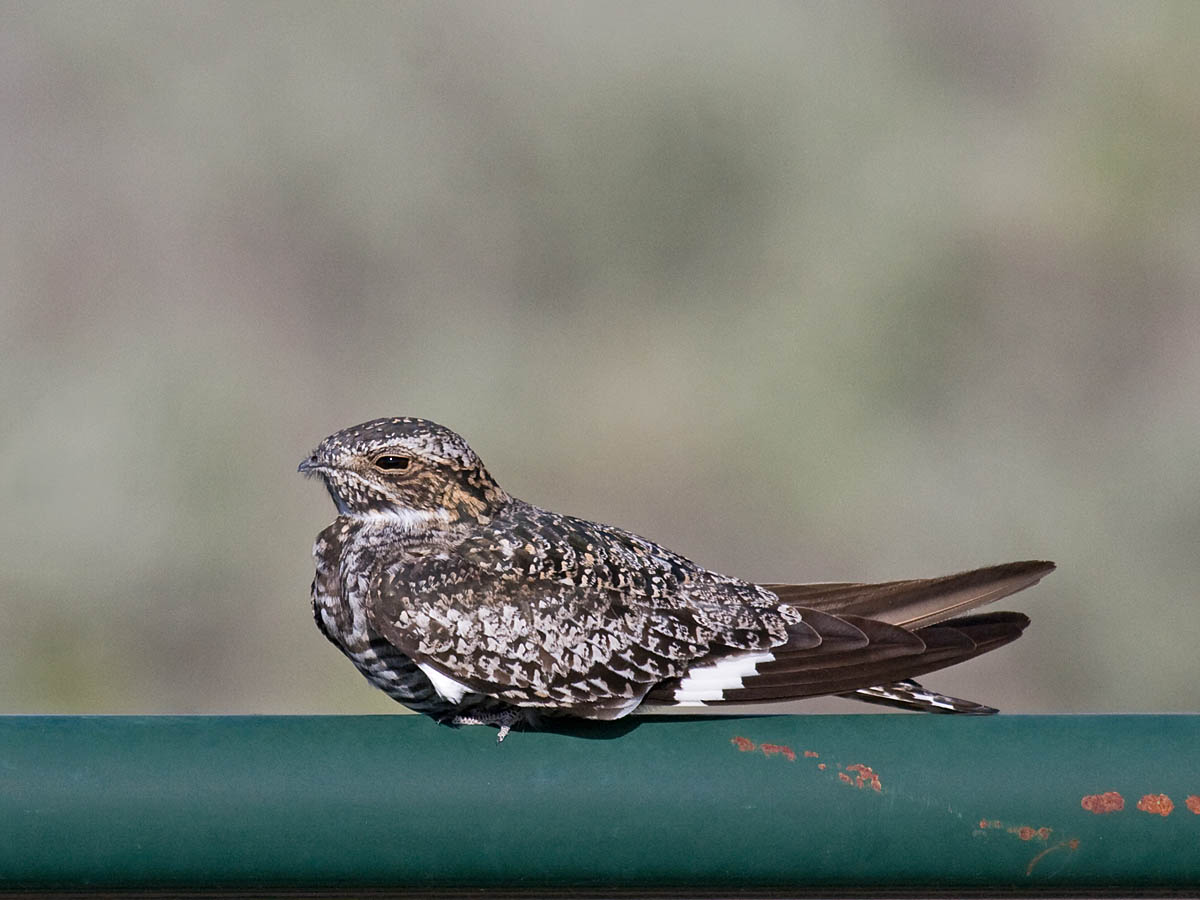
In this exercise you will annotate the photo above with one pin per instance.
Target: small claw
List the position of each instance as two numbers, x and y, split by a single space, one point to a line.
504 721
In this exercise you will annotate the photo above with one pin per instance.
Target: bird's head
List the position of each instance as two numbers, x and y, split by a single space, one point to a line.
411 471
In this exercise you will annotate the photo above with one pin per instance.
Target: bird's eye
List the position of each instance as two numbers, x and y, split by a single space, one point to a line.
392 462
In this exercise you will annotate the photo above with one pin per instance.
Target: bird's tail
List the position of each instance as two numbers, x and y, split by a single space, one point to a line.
911 695
918 602
867 641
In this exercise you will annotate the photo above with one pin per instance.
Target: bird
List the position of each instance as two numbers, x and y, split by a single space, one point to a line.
474 607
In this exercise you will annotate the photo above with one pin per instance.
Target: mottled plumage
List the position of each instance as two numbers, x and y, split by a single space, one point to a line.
472 606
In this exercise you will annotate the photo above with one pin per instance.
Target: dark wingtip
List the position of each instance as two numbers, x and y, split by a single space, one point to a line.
980 711
1032 570
1039 567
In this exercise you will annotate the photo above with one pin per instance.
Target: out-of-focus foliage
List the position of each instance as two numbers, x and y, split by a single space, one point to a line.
805 291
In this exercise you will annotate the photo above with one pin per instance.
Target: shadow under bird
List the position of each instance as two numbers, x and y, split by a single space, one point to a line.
471 606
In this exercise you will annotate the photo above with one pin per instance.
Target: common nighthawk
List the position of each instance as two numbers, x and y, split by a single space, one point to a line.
467 604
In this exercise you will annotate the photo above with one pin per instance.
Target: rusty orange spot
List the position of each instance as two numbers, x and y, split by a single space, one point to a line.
778 750
811 754
846 778
866 777
821 766
983 823
1026 833
1071 845
1100 804
1193 803
1156 804
743 744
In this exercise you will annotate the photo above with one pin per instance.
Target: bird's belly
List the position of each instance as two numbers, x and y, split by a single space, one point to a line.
380 663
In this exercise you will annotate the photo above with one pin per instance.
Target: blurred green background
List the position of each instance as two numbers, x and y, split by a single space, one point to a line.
829 291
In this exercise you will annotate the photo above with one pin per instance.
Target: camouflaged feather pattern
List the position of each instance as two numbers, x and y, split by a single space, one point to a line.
469 605
545 610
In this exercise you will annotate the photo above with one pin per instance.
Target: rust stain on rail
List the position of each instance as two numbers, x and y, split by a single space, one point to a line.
863 777
745 745
1156 805
1029 833
1071 845
1024 832
778 750
1102 804
859 775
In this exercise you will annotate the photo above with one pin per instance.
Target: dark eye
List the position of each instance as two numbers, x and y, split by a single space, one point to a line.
392 462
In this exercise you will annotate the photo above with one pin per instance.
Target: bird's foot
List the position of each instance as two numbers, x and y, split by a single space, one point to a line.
504 720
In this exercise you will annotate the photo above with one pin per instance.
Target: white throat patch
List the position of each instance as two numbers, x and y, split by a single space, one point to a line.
405 518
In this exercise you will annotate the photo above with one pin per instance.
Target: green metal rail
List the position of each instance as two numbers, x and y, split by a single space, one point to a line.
780 805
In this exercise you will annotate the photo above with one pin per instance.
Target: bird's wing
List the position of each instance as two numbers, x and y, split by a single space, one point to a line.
557 612
598 647
592 650
910 628
920 602
890 655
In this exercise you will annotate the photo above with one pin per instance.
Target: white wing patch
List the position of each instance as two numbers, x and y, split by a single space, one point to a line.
909 694
710 682
447 687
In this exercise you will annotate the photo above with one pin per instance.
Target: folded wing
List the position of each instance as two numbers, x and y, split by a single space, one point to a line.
875 639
